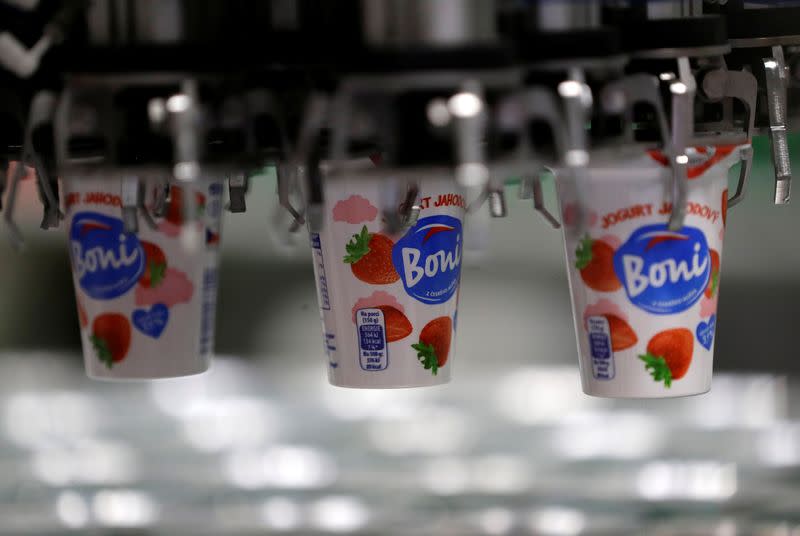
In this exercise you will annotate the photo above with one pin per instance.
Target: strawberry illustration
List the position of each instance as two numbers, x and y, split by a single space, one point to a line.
595 260
622 334
111 338
175 210
713 281
434 343
397 324
725 207
370 258
155 265
669 354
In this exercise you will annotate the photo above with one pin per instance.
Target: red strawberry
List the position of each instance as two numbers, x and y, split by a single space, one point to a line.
713 281
595 260
176 208
397 324
434 343
725 207
155 265
669 354
622 334
370 258
83 318
111 338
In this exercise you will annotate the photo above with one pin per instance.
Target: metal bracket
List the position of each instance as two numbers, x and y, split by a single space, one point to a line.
399 216
43 110
621 95
132 192
14 234
161 198
683 91
287 179
305 161
577 98
237 190
129 191
532 103
775 74
742 86
531 188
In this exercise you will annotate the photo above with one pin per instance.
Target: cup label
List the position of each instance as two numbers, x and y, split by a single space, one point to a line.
428 259
600 347
371 326
107 261
663 271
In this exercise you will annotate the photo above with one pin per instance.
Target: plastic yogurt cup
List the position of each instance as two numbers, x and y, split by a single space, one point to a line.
388 303
644 298
146 301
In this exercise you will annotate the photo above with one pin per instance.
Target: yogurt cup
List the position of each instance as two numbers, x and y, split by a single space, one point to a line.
644 298
146 301
388 303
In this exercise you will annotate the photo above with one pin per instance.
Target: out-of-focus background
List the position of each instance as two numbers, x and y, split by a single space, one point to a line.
263 444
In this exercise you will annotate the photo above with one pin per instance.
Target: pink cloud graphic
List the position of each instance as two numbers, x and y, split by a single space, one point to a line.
378 297
174 289
602 308
708 306
354 209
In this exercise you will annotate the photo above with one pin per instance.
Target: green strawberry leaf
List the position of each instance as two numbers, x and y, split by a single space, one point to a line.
102 351
427 356
358 246
658 368
158 270
583 253
714 283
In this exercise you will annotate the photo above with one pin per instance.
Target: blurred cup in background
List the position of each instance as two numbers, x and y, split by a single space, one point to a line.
146 300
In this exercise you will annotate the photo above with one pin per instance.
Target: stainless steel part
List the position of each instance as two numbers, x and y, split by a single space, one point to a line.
776 80
538 202
683 92
468 111
14 234
532 103
129 192
576 98
161 198
557 15
315 116
398 23
497 204
623 94
742 86
237 190
670 9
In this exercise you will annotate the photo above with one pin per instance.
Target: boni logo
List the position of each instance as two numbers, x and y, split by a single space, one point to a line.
428 259
106 260
664 272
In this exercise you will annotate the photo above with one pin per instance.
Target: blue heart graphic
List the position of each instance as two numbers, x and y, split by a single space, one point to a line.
152 322
705 332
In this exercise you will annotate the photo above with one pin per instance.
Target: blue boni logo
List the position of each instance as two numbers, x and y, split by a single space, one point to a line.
106 260
664 271
428 259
